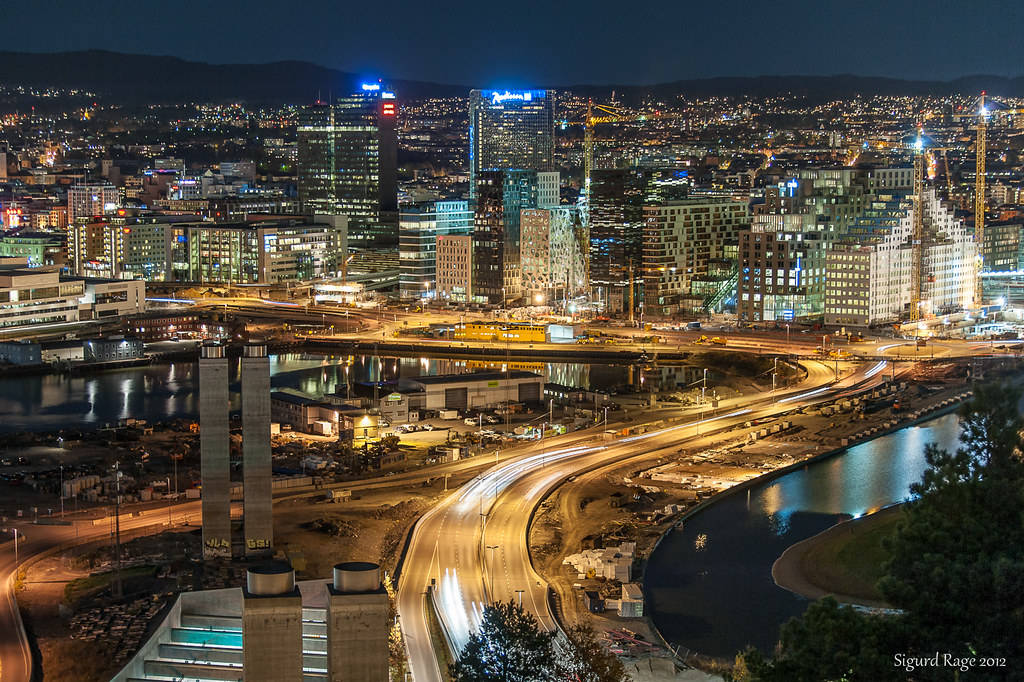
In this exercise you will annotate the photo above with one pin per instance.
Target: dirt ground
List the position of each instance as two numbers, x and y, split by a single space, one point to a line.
369 527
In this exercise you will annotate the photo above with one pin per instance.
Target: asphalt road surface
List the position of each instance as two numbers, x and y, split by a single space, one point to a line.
472 548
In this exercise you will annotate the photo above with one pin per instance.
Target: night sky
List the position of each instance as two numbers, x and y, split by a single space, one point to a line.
529 42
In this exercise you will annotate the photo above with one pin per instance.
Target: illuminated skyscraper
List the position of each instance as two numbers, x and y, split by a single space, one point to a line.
348 164
510 129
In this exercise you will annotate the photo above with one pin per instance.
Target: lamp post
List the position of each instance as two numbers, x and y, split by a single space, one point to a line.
62 491
520 593
491 549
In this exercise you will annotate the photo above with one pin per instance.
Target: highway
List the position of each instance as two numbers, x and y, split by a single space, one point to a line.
15 656
473 546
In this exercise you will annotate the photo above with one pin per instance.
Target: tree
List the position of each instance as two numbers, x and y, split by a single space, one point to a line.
582 658
830 642
957 565
956 570
509 647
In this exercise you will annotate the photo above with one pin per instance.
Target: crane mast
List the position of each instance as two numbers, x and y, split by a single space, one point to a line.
979 200
917 238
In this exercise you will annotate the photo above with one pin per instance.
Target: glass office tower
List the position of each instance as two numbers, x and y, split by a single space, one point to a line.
348 164
510 129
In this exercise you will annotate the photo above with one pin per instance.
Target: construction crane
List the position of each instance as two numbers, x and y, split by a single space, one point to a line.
982 116
917 237
598 114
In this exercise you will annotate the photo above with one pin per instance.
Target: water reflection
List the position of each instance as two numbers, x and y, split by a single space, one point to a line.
168 391
716 595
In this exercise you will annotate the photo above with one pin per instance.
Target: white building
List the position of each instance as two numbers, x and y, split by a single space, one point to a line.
88 200
553 246
869 274
38 296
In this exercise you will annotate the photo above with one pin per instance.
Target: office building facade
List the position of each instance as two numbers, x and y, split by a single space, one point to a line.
869 272
455 267
420 227
685 248
266 252
88 200
553 249
510 129
348 164
501 197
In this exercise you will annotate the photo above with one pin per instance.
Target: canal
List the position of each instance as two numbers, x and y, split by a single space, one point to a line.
170 390
709 586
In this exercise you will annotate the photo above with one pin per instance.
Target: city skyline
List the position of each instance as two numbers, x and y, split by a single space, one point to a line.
647 45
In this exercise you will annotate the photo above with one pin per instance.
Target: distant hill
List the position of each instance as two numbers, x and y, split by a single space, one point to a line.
143 78
135 78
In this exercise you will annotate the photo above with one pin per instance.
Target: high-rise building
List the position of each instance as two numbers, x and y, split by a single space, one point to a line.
686 252
348 164
501 197
94 199
553 252
419 228
869 271
510 129
616 208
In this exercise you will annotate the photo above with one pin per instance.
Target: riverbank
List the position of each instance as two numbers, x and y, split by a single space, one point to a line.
844 561
577 515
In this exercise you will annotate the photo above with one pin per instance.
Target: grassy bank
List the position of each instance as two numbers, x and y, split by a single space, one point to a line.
848 559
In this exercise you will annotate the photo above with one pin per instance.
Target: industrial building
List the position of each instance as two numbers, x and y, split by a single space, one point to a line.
477 391
275 629
215 451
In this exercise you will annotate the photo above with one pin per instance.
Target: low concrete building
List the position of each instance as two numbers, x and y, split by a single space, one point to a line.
205 636
477 390
113 350
20 353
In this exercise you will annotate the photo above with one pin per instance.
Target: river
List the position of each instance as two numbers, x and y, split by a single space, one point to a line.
168 390
709 586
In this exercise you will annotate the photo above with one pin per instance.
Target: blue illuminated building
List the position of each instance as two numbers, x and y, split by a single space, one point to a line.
510 129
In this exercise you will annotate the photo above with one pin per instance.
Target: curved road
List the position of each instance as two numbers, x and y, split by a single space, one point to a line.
472 548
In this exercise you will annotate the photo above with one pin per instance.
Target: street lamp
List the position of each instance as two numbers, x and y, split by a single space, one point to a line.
520 593
491 548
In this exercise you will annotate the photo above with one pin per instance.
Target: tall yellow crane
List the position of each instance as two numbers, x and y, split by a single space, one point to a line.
598 114
982 116
917 237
